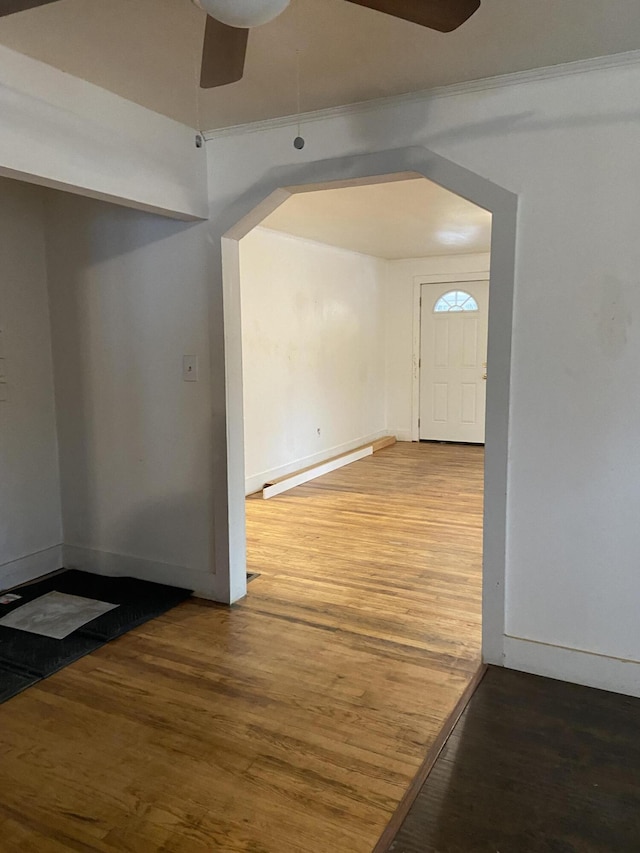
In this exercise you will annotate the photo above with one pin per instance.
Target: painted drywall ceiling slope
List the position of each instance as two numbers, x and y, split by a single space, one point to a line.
62 132
393 220
148 51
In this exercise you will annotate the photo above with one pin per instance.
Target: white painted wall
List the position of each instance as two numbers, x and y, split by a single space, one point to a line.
568 146
128 294
30 522
313 352
399 317
65 133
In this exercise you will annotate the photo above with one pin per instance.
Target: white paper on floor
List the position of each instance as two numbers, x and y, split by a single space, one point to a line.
55 614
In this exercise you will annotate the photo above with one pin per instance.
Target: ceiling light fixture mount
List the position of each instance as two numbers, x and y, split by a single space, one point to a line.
243 14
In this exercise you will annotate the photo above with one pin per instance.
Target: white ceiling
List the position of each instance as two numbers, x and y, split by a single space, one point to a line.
149 50
401 219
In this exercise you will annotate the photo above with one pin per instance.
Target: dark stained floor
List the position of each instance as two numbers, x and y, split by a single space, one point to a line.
533 765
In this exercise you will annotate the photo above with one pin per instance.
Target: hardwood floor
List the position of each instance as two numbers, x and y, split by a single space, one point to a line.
533 766
293 721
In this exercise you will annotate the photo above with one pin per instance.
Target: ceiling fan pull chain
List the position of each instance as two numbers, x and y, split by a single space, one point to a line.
199 131
298 142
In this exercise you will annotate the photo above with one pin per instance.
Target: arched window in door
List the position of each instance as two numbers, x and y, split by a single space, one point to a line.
455 300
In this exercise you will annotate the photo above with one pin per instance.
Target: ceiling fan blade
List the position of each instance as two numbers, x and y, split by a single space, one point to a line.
10 7
223 54
441 15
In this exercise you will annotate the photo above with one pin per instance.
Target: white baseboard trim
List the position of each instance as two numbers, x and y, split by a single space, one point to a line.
30 567
574 665
255 482
402 434
317 471
120 565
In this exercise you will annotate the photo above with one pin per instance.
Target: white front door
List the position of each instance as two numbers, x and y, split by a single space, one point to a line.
453 358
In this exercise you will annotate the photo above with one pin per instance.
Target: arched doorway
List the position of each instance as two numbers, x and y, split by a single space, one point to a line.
243 215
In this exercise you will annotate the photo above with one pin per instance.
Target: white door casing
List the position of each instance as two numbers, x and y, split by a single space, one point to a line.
453 358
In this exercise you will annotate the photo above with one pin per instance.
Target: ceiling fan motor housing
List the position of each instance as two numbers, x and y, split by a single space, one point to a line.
243 13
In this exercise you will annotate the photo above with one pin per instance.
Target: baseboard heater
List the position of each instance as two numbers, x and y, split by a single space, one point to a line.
290 481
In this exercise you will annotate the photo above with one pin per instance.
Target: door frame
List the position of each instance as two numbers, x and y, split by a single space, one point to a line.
235 221
418 281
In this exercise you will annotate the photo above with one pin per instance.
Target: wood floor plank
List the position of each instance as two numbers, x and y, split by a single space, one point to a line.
294 720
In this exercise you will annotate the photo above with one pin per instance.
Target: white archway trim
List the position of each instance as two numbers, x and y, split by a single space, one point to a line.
228 434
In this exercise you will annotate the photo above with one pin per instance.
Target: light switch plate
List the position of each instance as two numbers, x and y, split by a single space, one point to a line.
190 368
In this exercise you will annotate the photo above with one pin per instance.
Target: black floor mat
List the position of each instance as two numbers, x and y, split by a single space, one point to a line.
26 658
